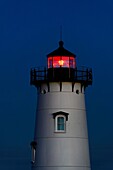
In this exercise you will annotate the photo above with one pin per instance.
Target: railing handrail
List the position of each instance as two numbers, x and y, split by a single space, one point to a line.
79 74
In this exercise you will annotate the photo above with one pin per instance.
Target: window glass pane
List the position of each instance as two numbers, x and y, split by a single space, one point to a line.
60 120
61 127
61 123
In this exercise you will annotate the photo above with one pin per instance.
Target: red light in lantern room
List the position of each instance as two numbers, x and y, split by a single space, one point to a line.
61 62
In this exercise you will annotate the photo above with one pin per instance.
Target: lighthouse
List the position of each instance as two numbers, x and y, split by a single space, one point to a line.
60 138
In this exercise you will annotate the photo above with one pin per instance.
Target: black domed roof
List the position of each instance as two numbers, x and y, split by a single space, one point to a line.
61 51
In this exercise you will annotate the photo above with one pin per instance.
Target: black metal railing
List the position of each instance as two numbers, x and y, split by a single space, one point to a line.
79 74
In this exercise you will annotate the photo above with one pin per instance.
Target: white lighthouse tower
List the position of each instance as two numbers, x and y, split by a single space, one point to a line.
61 138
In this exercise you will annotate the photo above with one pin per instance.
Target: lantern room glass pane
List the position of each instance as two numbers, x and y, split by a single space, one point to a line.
50 62
56 61
65 61
72 62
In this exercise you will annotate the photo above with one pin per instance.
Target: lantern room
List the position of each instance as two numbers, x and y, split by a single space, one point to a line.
61 64
61 67
61 58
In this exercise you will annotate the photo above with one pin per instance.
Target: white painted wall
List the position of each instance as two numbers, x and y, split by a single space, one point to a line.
61 151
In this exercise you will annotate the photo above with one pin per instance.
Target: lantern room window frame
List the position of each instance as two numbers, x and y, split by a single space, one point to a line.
61 61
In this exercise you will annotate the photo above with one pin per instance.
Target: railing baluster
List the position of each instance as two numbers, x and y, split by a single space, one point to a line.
45 73
41 74
87 75
34 75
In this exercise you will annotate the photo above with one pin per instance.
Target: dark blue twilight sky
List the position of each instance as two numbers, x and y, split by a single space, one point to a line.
30 29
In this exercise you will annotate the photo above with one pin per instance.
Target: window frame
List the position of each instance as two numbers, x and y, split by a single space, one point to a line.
56 115
56 123
33 151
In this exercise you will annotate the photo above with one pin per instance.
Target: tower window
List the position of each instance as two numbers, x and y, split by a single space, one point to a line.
33 148
60 121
